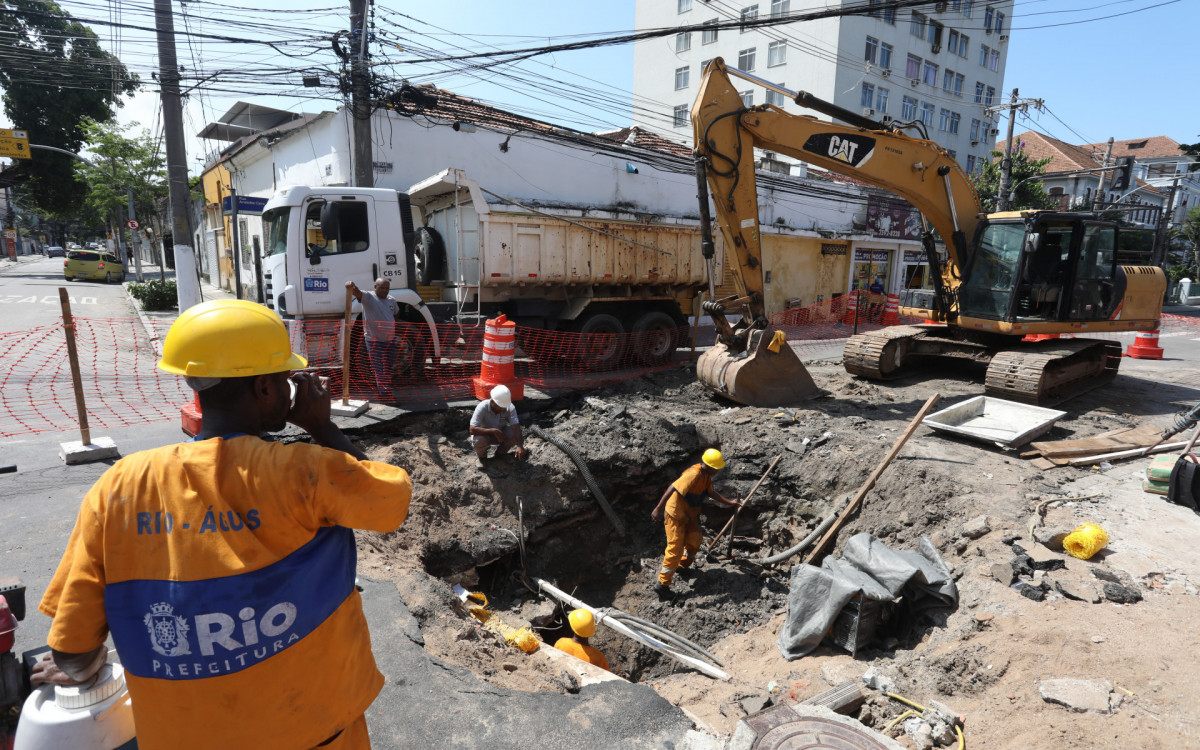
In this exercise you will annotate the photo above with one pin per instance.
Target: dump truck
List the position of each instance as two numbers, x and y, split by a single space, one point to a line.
455 253
1005 276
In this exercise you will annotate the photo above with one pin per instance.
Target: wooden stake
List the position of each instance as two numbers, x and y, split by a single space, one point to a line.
733 519
85 434
852 506
346 349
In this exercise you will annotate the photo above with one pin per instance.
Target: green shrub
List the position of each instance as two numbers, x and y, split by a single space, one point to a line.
155 295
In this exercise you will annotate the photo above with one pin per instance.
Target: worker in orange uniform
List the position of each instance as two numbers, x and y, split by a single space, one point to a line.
584 625
224 567
682 502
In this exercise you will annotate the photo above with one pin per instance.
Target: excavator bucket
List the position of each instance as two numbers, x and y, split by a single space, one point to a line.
757 376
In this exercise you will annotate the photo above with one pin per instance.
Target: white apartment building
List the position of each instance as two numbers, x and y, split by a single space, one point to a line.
941 64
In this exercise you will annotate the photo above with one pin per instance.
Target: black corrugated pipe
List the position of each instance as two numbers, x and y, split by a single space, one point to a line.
565 447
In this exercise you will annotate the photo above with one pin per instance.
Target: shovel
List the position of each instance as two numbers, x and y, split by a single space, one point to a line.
733 521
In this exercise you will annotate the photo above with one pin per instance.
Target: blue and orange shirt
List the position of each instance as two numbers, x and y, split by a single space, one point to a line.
692 487
224 570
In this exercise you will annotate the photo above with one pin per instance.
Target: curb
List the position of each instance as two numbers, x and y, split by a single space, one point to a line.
151 334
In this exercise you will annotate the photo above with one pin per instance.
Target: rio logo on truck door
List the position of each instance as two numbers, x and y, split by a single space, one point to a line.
315 284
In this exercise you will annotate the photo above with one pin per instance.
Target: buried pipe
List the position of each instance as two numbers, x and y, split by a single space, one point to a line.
646 639
566 447
666 635
803 545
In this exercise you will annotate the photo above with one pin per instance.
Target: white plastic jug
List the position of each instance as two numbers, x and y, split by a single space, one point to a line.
56 717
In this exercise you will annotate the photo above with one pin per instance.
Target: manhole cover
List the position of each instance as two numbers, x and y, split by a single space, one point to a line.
781 728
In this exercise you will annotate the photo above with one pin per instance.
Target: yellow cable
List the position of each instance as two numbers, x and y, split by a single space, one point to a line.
902 699
899 719
962 741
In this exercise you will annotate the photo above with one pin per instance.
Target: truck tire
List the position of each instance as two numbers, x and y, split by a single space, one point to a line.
412 348
430 256
601 342
654 338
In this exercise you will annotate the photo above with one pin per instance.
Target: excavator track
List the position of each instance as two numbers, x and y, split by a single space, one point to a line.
879 355
1052 371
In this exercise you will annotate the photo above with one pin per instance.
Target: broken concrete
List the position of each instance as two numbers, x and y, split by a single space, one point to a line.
976 527
1080 696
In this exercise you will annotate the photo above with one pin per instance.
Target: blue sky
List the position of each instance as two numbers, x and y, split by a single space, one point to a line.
1126 77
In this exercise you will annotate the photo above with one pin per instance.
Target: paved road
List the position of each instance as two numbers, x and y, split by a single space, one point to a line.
29 293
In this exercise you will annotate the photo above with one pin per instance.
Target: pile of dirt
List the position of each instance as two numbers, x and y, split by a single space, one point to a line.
465 526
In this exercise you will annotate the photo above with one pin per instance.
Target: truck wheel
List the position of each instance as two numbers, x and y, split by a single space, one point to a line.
654 338
412 348
430 256
601 342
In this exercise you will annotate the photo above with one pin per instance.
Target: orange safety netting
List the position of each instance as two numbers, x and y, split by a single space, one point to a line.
123 386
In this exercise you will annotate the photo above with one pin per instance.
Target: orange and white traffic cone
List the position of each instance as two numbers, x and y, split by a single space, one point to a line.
891 311
499 356
1145 346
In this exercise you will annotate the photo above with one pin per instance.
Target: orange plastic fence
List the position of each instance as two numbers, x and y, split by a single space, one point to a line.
122 385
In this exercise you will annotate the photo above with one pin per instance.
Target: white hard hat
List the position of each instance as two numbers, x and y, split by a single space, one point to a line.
501 396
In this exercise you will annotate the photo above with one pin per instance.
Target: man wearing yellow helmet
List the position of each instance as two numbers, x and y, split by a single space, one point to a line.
583 624
682 501
224 567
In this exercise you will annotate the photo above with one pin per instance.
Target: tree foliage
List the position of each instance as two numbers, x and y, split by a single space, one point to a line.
1030 195
124 158
55 77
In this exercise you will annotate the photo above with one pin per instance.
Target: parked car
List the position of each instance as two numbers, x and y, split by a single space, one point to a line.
55 251
86 264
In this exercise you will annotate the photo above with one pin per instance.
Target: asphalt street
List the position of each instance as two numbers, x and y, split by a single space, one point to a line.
29 295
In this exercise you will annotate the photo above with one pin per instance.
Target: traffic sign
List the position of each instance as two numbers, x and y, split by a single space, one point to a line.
14 144
133 224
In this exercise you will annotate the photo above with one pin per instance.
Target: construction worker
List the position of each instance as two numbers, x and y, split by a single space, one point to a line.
682 502
495 423
224 567
583 625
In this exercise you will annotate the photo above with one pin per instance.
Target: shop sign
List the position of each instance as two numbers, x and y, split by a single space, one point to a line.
871 256
914 256
895 219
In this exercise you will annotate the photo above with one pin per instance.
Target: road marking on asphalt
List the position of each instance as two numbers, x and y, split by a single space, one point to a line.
47 300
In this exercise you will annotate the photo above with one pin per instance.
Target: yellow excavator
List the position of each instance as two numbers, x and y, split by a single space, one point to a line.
1003 276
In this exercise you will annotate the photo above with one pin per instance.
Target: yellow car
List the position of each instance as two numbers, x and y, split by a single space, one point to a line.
93 265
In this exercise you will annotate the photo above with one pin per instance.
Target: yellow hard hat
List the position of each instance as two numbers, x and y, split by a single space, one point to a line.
582 622
228 339
713 459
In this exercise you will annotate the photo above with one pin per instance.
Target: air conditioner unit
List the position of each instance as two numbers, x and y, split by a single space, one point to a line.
868 112
885 72
913 82
1004 37
988 30
936 48
974 143
994 131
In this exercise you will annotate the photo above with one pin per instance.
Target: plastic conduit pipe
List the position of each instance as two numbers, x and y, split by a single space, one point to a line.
664 634
816 534
962 741
587 475
643 638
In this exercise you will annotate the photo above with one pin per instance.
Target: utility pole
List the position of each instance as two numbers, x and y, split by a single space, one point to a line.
1013 105
360 108
237 245
1103 175
186 280
1164 226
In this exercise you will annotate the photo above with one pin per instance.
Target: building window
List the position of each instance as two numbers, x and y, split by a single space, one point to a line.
913 68
747 98
994 61
683 41
927 113
746 59
749 13
872 53
952 42
704 64
988 16
970 163
935 34
968 7
979 92
964 46
955 119
990 96
999 27
776 98
681 116
908 108
776 53
885 56
881 99
944 119
916 27
956 5
886 14
684 6
958 84
708 36
953 153
931 71
975 131
983 54
681 77
780 8
867 98
948 81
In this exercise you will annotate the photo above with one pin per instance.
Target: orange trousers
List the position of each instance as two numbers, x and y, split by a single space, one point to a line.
683 542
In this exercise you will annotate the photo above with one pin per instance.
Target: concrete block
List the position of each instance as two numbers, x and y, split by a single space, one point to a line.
351 409
76 452
1079 696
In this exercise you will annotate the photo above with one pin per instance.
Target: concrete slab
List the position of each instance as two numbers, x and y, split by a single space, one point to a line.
77 452
1080 696
351 408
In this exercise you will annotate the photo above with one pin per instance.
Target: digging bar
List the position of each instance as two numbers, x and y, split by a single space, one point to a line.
856 501
728 526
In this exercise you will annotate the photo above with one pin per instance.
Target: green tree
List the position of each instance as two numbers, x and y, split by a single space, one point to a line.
124 158
54 75
1189 231
1030 195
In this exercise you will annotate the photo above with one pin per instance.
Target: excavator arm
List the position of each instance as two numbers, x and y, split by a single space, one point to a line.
727 132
